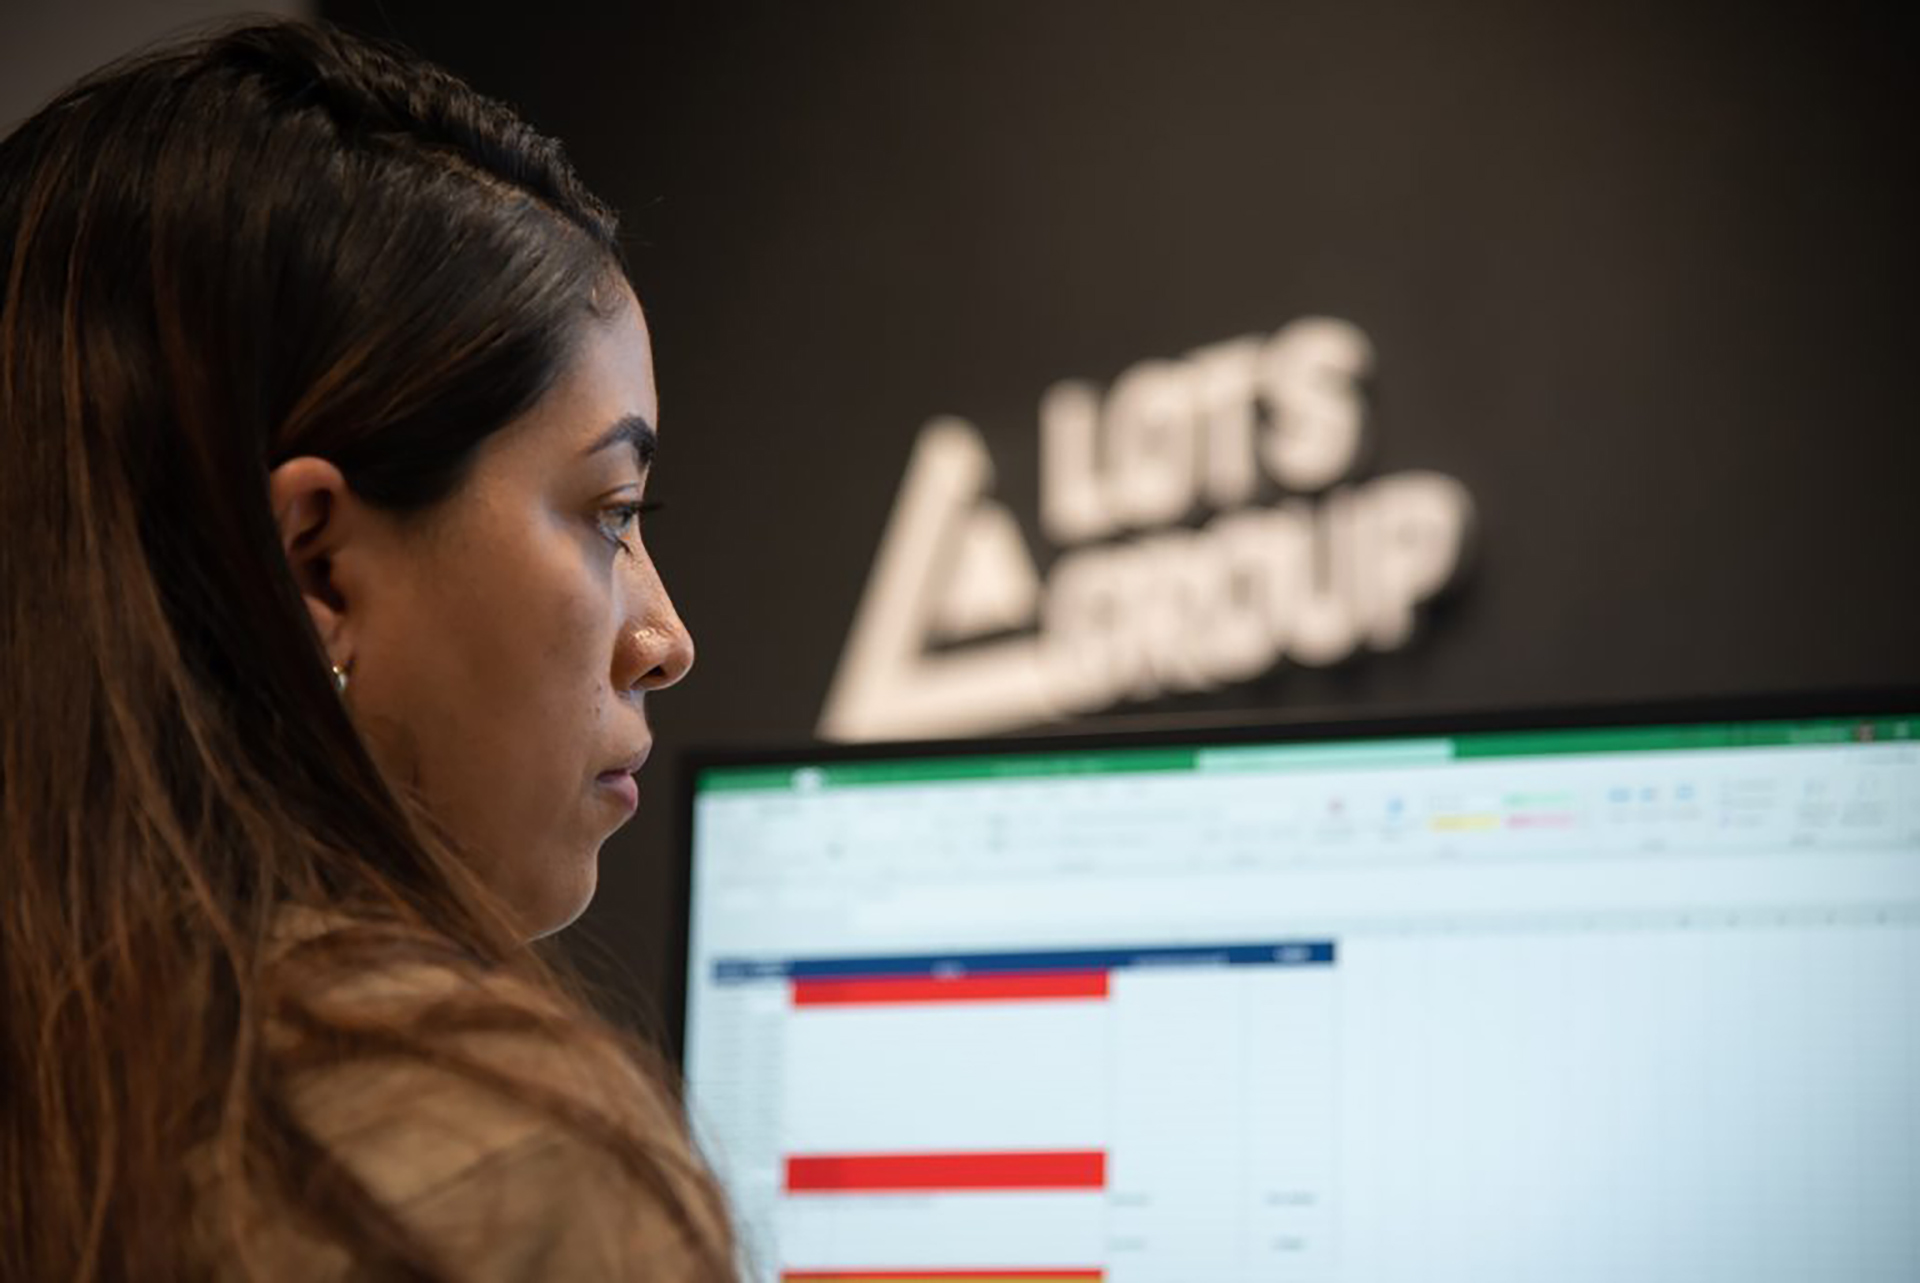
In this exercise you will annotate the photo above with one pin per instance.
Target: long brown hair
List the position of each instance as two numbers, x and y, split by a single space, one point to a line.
278 240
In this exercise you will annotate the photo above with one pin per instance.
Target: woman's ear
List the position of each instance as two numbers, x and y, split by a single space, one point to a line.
311 503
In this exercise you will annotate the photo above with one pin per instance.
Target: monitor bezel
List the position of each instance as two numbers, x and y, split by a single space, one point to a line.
1319 725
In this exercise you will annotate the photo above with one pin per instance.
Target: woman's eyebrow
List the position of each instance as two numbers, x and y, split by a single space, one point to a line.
633 430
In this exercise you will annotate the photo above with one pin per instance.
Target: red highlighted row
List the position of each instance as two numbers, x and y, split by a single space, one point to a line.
1000 987
943 1276
926 1173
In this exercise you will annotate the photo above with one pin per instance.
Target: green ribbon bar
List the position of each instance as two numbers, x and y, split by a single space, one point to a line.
1328 755
1656 739
1008 766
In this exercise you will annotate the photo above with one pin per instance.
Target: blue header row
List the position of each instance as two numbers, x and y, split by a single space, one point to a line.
1283 953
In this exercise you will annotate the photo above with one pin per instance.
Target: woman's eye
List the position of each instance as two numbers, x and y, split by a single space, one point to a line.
619 520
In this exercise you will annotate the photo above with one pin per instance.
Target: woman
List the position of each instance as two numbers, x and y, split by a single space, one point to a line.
325 630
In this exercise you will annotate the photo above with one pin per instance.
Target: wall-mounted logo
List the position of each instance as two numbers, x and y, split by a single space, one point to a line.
958 633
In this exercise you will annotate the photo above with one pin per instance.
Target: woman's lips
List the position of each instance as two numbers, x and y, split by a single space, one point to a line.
620 785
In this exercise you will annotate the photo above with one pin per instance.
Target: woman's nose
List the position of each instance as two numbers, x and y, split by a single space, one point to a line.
655 650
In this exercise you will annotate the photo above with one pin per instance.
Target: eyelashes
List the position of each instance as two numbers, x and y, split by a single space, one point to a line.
625 515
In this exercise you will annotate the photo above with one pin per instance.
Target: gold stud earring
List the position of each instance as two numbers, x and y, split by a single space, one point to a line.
339 680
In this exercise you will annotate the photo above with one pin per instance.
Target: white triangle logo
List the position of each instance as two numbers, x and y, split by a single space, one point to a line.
952 566
992 587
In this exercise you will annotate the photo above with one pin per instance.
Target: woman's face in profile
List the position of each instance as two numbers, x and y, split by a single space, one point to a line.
502 647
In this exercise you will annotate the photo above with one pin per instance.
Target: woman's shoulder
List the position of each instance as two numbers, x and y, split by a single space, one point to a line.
424 1070
494 1123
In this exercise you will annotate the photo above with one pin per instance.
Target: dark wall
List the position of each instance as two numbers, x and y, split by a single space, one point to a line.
1641 277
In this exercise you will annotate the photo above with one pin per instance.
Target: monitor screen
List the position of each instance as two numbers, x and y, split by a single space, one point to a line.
1572 999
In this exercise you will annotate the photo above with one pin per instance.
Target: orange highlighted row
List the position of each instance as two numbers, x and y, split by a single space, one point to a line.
1003 987
923 1173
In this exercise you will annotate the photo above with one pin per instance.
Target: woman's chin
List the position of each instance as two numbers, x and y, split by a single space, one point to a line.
556 905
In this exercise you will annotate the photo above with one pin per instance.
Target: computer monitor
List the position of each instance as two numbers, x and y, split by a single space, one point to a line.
1568 996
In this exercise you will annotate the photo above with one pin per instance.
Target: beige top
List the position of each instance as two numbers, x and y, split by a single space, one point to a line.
498 1188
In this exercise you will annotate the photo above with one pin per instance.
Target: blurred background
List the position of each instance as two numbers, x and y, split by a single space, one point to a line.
1639 278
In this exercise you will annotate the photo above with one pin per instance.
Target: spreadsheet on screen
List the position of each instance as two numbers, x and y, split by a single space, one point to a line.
1579 1002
